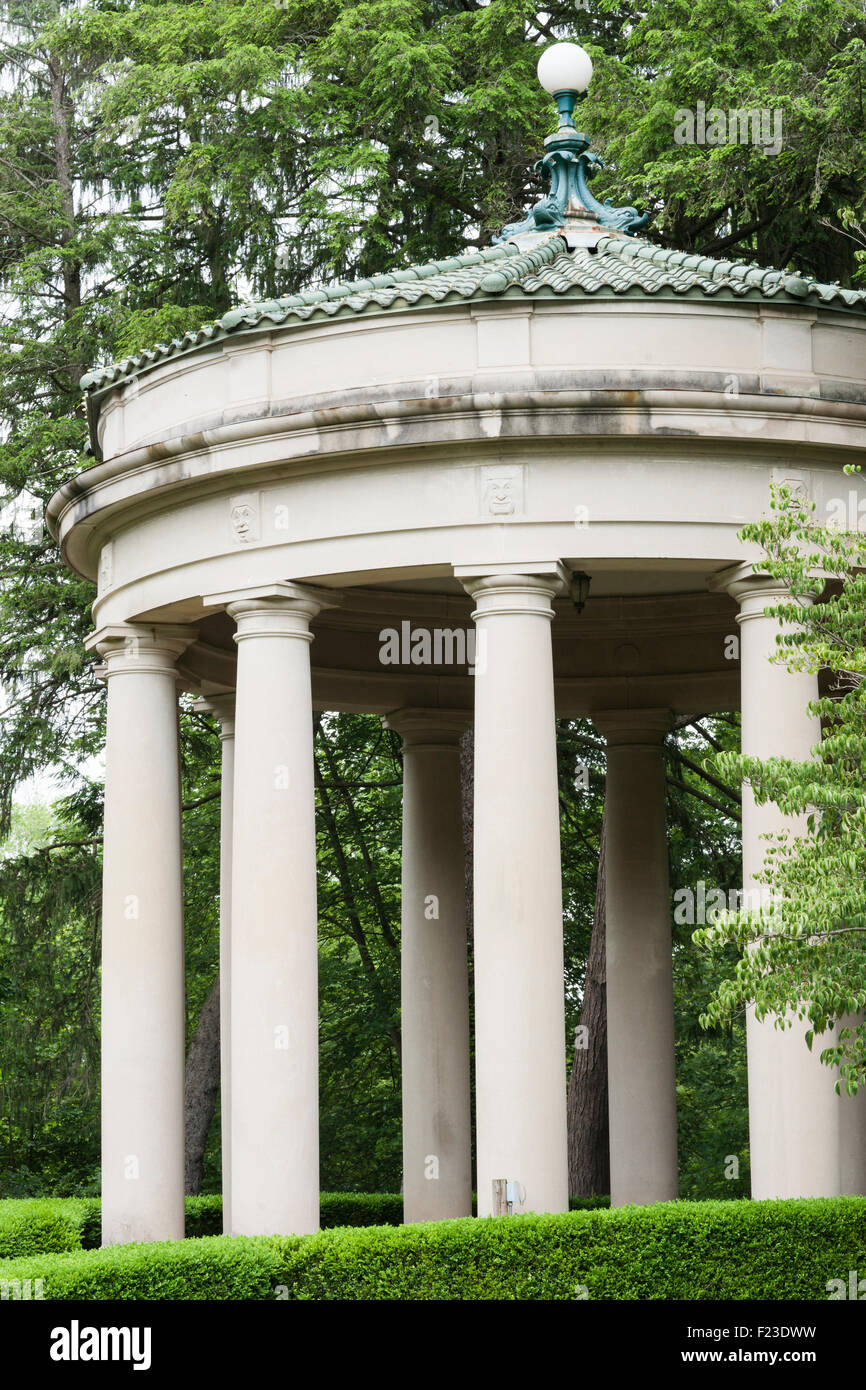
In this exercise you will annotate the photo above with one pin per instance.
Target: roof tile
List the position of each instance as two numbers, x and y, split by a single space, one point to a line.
615 265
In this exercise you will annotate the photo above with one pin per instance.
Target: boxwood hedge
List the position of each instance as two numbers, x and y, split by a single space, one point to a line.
676 1250
33 1226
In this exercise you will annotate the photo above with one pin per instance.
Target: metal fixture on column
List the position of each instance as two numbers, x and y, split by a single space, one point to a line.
579 589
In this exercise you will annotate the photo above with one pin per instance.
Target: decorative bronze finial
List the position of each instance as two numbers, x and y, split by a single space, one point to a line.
566 168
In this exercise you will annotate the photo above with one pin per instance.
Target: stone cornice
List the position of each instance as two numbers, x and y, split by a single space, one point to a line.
353 434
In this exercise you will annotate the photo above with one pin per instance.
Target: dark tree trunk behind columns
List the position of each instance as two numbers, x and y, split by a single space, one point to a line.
202 1084
467 808
467 797
588 1143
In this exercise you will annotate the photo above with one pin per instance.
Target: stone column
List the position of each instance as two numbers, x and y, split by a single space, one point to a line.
222 707
274 965
437 1137
143 1013
519 980
794 1113
640 995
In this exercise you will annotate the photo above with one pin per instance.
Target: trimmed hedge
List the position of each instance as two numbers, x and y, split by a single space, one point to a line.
676 1250
30 1225
42 1225
360 1209
204 1215
588 1203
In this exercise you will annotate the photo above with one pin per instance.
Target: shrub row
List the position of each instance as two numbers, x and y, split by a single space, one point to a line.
37 1225
31 1225
41 1225
678 1250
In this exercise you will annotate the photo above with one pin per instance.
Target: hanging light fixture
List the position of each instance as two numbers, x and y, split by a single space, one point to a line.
579 589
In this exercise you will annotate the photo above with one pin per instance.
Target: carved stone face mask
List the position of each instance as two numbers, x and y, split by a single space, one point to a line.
500 497
241 520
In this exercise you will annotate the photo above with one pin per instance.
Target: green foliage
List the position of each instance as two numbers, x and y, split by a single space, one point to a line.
801 207
673 1251
358 784
803 948
712 1090
703 816
43 1225
581 767
49 986
360 1209
31 1227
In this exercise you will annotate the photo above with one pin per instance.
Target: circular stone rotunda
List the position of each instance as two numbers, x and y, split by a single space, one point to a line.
386 497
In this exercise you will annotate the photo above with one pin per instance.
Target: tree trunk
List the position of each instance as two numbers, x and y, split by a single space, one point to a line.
588 1143
467 795
202 1084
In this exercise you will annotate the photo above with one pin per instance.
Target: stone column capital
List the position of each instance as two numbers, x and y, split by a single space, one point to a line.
754 590
140 648
634 727
514 589
285 609
428 728
554 572
222 707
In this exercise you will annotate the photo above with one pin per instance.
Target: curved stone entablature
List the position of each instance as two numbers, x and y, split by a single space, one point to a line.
714 388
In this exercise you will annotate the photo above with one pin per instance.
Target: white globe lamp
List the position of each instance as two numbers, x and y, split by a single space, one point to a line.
564 70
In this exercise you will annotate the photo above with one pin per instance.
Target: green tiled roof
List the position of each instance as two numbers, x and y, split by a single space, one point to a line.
540 265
